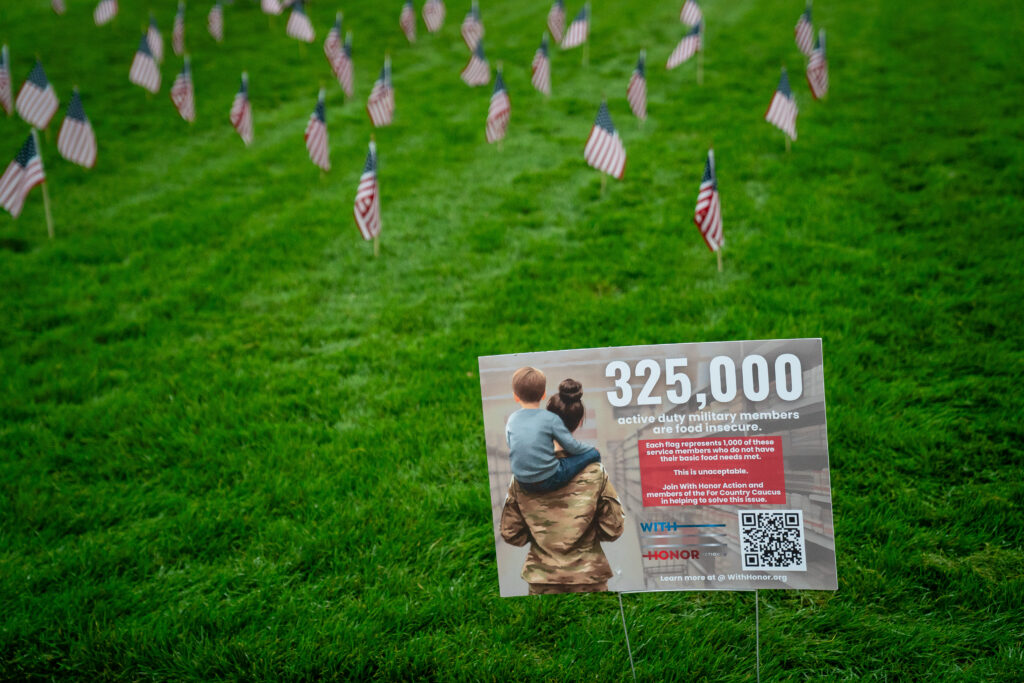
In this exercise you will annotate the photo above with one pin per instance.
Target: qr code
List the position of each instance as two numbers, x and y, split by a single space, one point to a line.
773 539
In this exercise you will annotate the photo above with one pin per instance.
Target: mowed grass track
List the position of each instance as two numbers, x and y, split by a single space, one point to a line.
234 445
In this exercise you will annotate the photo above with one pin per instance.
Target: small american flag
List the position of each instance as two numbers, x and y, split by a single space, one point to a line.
5 80
407 20
556 21
691 14
316 135
156 40
144 71
58 6
22 174
473 26
76 141
782 111
636 91
542 68
241 111
299 26
804 32
339 56
708 213
817 68
686 48
499 111
37 102
381 103
271 7
433 15
215 21
367 204
604 150
182 93
178 33
478 70
579 29
105 12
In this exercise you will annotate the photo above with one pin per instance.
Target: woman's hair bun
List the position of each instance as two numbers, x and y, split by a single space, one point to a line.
570 390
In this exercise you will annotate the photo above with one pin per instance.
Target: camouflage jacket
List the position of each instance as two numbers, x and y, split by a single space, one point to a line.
564 528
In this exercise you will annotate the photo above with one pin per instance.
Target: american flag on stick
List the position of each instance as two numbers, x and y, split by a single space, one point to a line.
144 71
156 40
215 21
299 26
817 68
271 7
691 14
803 32
636 91
499 110
340 55
579 29
241 111
105 12
407 20
182 93
22 174
316 135
473 27
433 15
76 141
604 150
367 204
37 102
556 21
708 214
6 99
58 6
381 103
178 32
541 78
478 69
782 110
686 48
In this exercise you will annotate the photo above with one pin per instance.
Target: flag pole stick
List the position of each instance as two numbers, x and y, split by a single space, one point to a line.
604 183
46 207
788 143
376 238
586 52
700 66
719 252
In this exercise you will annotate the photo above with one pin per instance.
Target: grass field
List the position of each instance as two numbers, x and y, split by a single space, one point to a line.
235 445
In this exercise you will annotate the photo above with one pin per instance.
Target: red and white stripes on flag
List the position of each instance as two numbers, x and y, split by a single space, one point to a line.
241 111
271 7
6 99
339 56
686 48
22 174
499 111
215 22
472 27
407 20
37 102
367 204
316 135
782 110
541 67
105 12
578 30
604 150
708 214
691 14
556 21
178 32
381 103
299 26
478 69
803 32
183 94
817 68
156 40
144 71
76 141
58 6
636 91
433 15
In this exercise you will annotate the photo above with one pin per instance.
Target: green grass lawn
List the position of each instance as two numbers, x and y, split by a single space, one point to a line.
235 445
